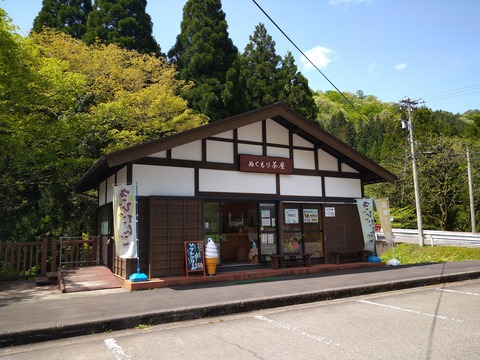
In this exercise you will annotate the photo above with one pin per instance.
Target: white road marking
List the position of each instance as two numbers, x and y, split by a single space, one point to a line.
459 292
409 310
296 330
120 354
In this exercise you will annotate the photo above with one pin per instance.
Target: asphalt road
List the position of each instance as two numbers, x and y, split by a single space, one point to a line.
433 322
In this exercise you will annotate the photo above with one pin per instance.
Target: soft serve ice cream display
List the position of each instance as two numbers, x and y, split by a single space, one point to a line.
211 257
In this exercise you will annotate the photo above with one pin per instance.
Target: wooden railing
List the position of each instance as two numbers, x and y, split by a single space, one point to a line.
28 259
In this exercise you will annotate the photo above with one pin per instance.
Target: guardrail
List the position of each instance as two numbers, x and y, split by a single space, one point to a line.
434 237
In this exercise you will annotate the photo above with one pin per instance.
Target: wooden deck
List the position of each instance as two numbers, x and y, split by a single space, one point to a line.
87 278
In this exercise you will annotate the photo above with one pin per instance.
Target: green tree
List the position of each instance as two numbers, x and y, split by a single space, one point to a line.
295 92
69 16
205 55
74 103
339 127
124 23
259 69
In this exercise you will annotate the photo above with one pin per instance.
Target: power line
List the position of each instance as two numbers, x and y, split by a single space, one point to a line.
310 61
448 94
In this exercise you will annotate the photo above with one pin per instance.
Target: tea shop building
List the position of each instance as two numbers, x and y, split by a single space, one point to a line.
267 179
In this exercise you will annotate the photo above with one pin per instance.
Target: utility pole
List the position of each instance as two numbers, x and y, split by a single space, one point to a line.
470 190
408 104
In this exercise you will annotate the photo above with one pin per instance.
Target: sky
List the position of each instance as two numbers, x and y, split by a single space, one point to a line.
426 50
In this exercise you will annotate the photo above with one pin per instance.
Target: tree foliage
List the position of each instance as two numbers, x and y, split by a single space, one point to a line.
441 138
267 78
205 54
69 16
84 101
124 23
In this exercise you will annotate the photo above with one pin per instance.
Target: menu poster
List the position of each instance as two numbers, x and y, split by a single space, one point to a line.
291 216
310 215
194 259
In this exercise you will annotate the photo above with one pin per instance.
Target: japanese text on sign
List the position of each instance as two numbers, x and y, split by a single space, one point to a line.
265 164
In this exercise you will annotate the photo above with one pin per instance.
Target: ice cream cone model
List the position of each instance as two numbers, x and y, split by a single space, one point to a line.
211 257
211 266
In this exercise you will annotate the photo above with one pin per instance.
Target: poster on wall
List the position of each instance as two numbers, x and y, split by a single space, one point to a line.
310 215
329 212
291 216
125 221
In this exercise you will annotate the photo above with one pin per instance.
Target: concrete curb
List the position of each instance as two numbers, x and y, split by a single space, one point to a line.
177 315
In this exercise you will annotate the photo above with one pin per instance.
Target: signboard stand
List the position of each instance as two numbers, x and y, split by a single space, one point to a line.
194 257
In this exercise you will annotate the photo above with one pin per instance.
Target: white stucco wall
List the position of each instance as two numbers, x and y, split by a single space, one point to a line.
300 185
236 182
340 187
220 151
190 151
164 180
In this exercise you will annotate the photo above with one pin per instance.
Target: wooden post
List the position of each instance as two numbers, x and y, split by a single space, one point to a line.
54 256
44 256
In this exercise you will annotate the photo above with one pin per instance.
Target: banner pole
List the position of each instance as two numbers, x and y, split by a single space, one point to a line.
138 276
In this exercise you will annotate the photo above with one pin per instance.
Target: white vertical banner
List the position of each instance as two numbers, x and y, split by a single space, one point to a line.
384 215
365 210
125 221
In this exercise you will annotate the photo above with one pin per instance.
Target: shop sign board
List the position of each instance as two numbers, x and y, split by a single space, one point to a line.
266 164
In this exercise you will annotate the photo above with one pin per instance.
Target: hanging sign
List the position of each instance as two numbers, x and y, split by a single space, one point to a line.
365 210
124 221
266 164
384 216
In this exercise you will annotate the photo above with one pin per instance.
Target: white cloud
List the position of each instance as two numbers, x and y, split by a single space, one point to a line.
319 55
400 66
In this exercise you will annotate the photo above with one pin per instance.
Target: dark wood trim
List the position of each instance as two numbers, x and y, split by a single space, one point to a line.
129 173
264 137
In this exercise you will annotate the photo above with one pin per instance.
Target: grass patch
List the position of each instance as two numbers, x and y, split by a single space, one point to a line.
414 254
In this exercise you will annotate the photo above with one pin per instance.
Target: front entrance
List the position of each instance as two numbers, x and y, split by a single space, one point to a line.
245 232
302 229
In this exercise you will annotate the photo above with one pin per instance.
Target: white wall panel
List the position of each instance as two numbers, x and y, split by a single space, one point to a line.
252 132
248 149
327 162
348 169
219 151
160 154
278 152
303 159
236 182
300 185
225 135
190 151
164 180
276 133
122 175
299 141
101 193
340 187
110 184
